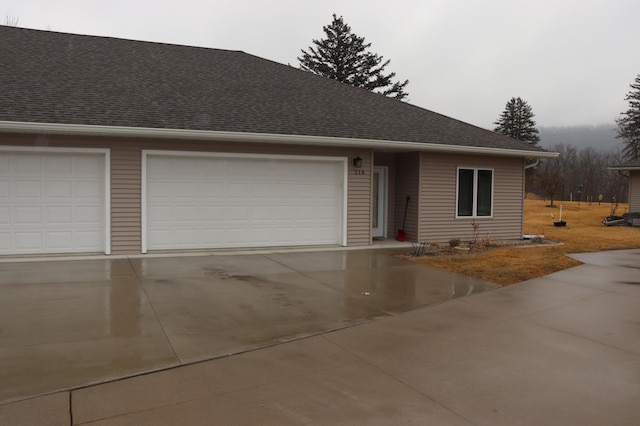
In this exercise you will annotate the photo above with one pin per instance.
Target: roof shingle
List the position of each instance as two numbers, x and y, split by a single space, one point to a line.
51 77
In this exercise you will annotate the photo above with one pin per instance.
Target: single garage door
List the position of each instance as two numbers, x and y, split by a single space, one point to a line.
239 201
52 202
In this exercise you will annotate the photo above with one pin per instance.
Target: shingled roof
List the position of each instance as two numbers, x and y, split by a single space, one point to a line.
50 77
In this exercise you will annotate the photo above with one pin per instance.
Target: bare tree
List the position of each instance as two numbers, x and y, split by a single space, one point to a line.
549 178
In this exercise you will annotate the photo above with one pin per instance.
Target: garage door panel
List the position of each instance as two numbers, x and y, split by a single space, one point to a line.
87 165
5 241
24 164
184 167
160 189
28 240
261 213
184 237
57 165
5 215
211 189
162 238
242 202
88 215
53 202
58 189
91 189
236 190
59 240
236 214
211 213
28 189
187 214
28 215
185 190
58 215
160 167
86 239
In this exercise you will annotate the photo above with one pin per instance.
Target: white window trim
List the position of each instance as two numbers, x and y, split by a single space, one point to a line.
475 169
107 177
154 153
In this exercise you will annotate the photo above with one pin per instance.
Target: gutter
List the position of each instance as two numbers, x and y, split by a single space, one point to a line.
209 135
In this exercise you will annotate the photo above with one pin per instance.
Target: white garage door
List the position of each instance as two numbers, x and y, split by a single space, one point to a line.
51 202
238 201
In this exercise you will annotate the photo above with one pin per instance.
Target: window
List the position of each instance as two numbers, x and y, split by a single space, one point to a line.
475 192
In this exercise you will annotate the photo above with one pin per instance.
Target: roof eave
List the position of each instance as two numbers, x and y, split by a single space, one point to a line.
209 135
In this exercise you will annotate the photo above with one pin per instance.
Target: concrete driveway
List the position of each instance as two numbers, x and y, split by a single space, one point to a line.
558 350
65 324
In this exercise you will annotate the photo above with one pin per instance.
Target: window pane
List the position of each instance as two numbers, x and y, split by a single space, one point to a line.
484 192
465 192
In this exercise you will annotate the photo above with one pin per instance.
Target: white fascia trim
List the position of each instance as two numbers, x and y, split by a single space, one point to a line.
624 169
83 129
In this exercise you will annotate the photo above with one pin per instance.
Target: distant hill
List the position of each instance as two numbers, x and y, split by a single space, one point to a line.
601 137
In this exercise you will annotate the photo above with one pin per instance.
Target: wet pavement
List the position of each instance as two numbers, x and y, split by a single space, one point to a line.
65 324
557 350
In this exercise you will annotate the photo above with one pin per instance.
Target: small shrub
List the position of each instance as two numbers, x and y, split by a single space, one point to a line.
537 239
454 242
476 232
488 242
419 249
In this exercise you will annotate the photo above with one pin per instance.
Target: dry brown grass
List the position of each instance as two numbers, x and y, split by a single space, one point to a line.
584 232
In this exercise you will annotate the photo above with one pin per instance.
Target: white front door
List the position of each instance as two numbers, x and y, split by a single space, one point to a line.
379 202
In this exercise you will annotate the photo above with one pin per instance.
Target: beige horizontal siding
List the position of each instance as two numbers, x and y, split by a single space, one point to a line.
359 202
438 198
126 221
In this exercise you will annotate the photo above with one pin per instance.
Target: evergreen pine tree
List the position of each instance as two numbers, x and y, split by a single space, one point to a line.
344 56
516 121
629 123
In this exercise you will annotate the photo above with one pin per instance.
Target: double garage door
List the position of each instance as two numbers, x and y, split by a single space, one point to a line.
217 201
53 202
57 201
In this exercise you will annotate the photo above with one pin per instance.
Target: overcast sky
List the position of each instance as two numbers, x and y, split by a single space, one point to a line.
572 61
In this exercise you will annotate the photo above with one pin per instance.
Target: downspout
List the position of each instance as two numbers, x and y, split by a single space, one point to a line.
532 164
535 163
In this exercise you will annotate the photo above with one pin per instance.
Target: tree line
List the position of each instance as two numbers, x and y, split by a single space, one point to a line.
580 174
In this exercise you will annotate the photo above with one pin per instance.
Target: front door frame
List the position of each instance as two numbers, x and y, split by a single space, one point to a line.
381 230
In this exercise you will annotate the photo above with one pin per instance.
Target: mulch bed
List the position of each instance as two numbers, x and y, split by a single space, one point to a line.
467 248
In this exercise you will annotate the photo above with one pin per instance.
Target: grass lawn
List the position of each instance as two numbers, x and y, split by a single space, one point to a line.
584 232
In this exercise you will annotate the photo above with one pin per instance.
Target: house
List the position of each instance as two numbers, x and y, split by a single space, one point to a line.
633 169
125 147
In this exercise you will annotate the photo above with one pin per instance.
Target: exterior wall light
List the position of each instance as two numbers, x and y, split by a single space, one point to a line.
357 162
